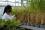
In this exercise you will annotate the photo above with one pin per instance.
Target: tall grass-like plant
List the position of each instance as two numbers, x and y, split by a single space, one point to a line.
31 14
42 6
23 13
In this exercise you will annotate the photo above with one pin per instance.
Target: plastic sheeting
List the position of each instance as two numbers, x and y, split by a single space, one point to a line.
1 11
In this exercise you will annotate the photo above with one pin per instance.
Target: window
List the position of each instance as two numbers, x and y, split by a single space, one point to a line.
2 0
10 3
24 3
3 3
12 0
18 2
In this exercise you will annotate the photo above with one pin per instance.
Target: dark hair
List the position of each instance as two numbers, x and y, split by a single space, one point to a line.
7 9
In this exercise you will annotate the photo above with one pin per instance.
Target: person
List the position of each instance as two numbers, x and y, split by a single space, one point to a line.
7 13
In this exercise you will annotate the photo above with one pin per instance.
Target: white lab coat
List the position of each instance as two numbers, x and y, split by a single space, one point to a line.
6 16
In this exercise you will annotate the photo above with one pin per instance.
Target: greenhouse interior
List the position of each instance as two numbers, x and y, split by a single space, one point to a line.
22 14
